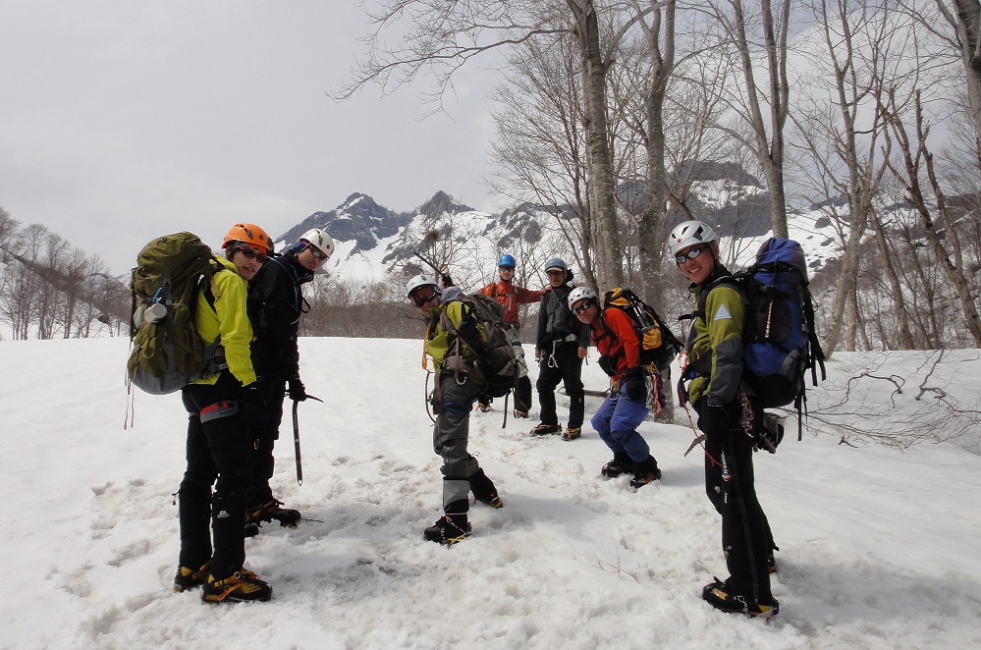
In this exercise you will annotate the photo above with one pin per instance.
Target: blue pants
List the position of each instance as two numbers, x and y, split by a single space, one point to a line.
616 423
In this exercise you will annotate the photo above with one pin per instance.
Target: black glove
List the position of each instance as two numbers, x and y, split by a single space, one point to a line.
636 383
296 390
606 365
718 420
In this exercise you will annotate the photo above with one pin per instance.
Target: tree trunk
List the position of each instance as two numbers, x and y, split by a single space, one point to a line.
902 312
602 188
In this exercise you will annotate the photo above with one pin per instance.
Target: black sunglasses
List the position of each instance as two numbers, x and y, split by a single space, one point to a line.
253 254
582 307
422 295
319 254
681 258
506 268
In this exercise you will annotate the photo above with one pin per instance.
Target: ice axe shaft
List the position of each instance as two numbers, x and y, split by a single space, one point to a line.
296 437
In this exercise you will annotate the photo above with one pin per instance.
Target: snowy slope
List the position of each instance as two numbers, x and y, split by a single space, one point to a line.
878 545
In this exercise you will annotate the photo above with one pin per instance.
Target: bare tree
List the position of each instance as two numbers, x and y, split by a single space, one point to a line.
917 159
742 36
442 35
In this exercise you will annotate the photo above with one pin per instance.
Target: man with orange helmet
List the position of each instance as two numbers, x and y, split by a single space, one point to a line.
217 450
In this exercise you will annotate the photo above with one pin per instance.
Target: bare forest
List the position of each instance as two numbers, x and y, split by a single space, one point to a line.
862 115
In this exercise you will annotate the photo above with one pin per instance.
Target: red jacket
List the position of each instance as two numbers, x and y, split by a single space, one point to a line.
615 337
511 296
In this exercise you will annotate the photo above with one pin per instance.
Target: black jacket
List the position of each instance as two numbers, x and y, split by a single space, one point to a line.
275 305
556 321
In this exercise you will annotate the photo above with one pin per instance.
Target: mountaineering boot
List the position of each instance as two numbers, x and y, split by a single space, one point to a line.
188 578
448 530
518 413
621 464
483 407
241 586
719 595
571 433
484 491
270 510
545 429
646 471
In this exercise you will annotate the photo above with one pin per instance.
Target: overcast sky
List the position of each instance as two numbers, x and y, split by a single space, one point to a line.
123 120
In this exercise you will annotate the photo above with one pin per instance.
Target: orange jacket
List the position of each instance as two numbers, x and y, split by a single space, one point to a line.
615 337
511 296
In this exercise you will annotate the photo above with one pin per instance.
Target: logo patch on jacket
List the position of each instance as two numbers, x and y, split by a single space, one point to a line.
721 313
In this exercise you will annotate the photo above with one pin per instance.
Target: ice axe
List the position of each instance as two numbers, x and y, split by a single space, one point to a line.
296 437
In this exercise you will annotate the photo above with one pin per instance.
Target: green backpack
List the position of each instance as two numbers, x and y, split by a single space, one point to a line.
166 351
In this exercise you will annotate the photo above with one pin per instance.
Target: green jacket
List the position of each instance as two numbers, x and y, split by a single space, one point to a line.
443 325
229 319
715 345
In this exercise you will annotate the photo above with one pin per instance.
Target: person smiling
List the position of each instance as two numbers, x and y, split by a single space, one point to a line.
713 362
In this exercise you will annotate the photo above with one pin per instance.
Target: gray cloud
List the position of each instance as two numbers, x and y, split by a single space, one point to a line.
122 120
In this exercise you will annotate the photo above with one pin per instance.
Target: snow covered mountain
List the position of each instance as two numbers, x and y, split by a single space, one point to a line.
374 241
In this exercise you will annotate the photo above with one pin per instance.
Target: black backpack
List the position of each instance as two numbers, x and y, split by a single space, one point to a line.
498 363
658 345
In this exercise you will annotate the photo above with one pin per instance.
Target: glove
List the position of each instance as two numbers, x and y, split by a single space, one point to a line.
296 390
606 365
636 384
719 420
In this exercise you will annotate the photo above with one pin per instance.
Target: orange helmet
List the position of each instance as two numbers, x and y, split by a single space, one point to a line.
250 234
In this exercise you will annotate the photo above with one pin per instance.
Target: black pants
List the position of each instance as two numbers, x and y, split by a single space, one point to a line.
217 448
263 434
746 536
569 372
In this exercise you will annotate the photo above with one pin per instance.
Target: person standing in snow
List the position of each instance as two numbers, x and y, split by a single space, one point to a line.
511 297
217 434
454 340
713 361
275 305
560 348
633 388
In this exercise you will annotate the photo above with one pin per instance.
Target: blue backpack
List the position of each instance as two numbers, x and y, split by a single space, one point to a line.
780 343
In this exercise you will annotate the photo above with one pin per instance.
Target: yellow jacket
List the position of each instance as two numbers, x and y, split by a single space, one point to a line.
229 319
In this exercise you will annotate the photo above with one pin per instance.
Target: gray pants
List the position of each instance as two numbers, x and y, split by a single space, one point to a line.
450 437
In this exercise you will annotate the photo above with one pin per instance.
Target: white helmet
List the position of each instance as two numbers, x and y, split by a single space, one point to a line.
319 240
581 293
689 233
421 280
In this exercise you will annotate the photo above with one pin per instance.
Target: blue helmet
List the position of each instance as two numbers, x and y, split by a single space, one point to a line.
556 263
506 260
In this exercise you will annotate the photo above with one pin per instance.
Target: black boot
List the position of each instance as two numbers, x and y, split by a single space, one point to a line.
645 472
484 491
621 464
448 530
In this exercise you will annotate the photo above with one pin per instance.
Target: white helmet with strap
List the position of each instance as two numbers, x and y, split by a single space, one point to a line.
319 240
689 233
581 293
421 280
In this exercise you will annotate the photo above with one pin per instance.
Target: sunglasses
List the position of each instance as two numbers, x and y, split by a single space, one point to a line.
681 258
319 254
253 254
555 272
506 268
422 295
582 307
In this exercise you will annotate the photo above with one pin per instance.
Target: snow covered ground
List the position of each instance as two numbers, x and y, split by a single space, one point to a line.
879 545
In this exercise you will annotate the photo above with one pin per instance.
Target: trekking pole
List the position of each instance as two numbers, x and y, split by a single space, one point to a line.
296 437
